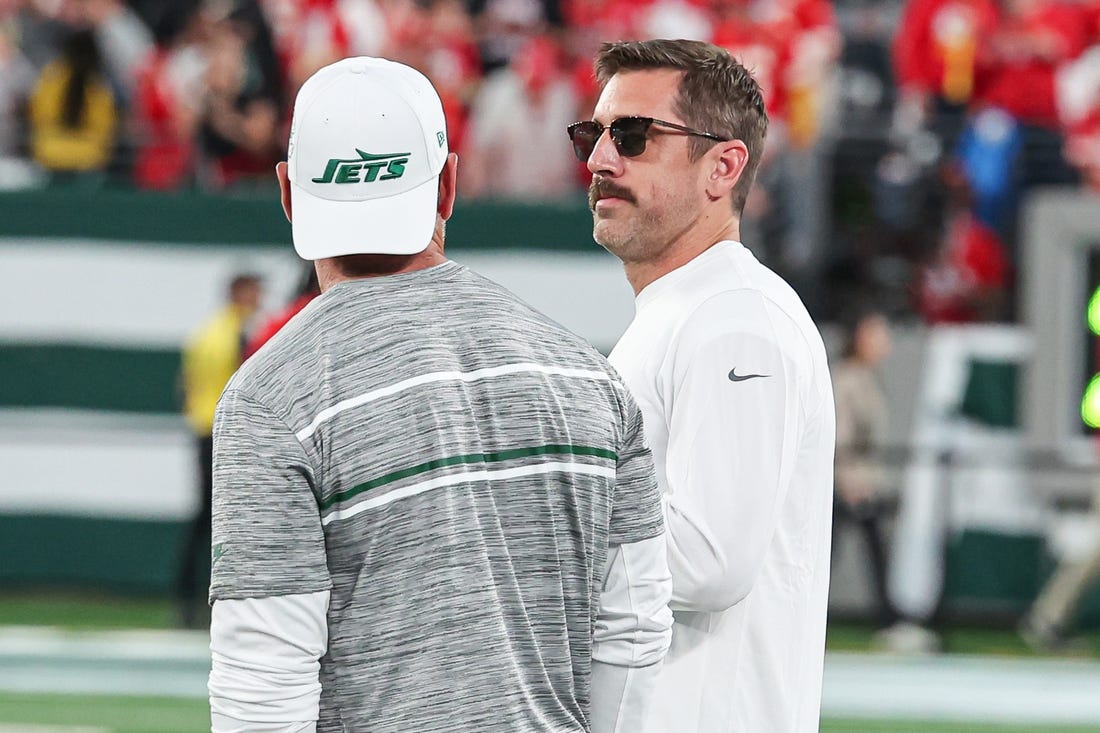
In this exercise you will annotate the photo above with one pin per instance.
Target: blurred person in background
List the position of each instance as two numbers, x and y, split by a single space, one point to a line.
518 110
437 38
935 53
1013 139
733 382
310 34
308 289
792 47
434 510
243 106
1049 621
505 26
124 39
1077 94
862 419
73 112
17 77
210 357
167 100
968 277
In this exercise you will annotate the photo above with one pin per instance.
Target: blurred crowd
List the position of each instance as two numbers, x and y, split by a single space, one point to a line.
1009 90
983 99
197 93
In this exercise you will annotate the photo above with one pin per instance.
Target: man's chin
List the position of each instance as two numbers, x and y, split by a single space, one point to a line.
605 235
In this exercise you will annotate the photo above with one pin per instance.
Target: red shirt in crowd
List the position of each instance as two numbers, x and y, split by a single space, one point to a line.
972 265
937 43
166 148
1017 63
772 39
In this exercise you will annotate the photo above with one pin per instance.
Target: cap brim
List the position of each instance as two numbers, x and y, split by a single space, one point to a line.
395 225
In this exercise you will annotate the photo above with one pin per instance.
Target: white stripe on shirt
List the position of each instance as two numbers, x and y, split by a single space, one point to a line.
461 478
330 412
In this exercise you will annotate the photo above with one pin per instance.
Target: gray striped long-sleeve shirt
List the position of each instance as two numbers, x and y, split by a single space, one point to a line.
451 467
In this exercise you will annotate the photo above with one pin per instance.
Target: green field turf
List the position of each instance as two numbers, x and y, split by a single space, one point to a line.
115 714
170 715
85 611
894 726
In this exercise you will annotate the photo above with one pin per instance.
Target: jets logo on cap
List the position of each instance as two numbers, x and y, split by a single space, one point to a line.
365 168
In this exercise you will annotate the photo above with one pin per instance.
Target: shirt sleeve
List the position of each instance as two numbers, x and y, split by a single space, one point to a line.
265 659
636 508
267 534
632 634
734 417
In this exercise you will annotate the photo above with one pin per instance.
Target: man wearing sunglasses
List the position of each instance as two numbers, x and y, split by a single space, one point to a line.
732 379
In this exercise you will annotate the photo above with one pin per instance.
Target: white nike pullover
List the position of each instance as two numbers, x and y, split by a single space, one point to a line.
733 383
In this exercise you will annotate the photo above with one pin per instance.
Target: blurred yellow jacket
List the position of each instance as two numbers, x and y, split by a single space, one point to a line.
58 147
210 357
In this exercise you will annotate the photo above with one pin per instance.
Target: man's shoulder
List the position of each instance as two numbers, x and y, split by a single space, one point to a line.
287 355
524 317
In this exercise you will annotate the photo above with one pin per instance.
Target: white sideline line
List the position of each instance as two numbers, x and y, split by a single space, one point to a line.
960 689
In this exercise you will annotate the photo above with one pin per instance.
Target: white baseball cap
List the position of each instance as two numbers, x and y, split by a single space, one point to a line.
367 143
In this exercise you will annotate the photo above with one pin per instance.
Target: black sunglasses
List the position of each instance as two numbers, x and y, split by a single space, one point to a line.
628 133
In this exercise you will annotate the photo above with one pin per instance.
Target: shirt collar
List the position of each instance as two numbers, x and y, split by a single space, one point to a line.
669 280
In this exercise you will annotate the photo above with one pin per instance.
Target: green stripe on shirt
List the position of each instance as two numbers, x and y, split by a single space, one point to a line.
473 458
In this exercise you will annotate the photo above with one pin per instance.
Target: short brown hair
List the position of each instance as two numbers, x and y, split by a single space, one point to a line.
716 94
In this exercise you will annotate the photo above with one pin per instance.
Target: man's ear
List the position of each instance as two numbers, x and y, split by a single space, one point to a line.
281 172
729 162
448 186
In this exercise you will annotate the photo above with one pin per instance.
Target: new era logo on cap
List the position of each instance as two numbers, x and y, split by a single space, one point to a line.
367 145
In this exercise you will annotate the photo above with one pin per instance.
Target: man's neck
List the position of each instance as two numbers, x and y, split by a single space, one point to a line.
335 270
692 242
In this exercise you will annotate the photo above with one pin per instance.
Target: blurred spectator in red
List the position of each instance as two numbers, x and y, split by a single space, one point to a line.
1013 140
590 23
969 275
310 34
935 54
676 19
1016 63
240 133
517 128
1077 92
791 47
762 46
454 65
166 103
596 21
308 289
437 38
73 112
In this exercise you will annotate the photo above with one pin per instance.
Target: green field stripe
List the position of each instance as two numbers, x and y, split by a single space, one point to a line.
473 458
117 714
151 218
89 377
61 551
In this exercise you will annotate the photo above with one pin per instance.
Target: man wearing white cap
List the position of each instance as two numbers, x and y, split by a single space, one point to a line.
434 509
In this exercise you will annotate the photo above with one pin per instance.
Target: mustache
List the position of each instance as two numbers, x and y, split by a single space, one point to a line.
602 188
